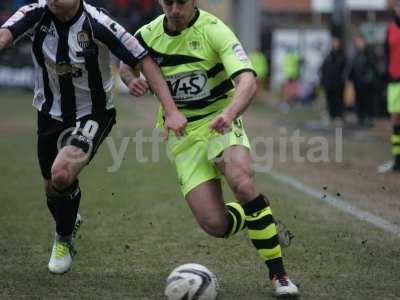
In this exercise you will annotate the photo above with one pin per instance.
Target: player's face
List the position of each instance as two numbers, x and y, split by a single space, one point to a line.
179 12
63 8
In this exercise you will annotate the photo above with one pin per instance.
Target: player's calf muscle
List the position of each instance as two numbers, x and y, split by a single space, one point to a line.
243 186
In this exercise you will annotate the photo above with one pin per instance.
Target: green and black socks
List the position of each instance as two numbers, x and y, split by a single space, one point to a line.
263 234
236 219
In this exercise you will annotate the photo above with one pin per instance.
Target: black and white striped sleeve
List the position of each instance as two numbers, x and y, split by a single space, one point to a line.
24 20
118 40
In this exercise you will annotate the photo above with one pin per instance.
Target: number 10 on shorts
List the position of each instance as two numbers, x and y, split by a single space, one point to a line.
89 129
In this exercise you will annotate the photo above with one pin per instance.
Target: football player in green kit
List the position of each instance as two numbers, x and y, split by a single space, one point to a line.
212 82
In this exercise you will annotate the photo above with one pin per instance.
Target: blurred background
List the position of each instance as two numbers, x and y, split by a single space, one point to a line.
287 41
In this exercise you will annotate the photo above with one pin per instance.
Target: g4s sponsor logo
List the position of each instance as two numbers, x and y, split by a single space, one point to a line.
189 86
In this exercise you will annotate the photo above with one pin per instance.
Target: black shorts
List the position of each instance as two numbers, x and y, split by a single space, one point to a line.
87 134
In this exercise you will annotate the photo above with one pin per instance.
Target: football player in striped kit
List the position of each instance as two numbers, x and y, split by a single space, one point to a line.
72 43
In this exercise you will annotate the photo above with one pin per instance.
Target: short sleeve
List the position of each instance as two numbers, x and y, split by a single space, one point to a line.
230 50
118 40
24 19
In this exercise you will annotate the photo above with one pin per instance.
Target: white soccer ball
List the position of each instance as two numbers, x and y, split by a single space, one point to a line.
191 282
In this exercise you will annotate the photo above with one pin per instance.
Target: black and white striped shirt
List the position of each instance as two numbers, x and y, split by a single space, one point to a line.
72 60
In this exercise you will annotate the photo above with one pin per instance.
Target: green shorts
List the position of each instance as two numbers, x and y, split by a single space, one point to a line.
194 154
393 98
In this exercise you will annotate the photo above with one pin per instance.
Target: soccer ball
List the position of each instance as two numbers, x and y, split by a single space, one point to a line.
191 282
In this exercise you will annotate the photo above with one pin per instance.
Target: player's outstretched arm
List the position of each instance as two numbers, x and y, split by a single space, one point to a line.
6 38
245 88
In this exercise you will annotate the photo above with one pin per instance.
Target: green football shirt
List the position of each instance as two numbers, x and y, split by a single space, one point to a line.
197 63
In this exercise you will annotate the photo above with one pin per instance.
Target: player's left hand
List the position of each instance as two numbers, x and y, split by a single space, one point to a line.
176 122
222 123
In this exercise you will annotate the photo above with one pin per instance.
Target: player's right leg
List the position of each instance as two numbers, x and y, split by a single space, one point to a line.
62 202
63 152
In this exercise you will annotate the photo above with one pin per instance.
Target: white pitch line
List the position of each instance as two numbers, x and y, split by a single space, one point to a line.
338 203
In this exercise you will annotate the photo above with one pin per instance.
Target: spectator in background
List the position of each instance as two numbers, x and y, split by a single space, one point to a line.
260 65
393 74
363 74
333 78
291 72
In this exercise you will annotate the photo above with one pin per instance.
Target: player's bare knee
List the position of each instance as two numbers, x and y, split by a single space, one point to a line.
214 227
60 178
